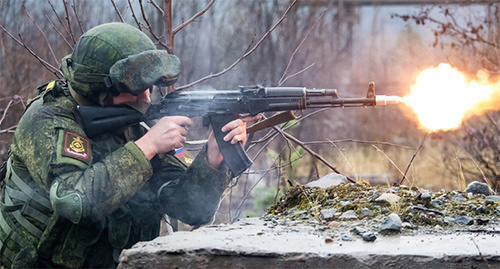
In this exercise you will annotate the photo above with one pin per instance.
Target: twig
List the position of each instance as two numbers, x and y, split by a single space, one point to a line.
150 29
43 33
245 55
299 72
497 128
117 11
5 111
358 141
345 159
284 76
158 8
47 65
53 69
310 151
77 18
412 158
133 15
58 31
240 205
480 254
195 16
70 29
390 160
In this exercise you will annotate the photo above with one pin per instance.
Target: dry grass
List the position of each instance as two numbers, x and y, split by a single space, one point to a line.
386 165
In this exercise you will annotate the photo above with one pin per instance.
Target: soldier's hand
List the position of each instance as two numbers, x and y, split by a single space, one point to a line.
236 132
237 129
166 135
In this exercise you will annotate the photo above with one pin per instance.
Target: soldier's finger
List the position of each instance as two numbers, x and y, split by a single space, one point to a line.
239 138
232 125
181 120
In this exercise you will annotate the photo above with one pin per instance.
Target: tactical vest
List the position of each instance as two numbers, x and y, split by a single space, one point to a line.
22 206
28 226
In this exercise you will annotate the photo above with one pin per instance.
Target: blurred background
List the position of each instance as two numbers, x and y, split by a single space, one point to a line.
320 44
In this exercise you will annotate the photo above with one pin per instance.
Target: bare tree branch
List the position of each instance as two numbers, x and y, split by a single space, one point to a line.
297 73
68 31
117 11
59 32
201 12
77 18
47 65
150 29
358 141
133 15
44 35
5 111
158 8
68 21
310 151
245 55
413 157
284 77
169 36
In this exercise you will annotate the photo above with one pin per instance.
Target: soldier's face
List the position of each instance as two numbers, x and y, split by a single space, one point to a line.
127 98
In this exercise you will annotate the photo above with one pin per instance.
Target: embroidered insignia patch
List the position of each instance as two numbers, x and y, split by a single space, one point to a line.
76 146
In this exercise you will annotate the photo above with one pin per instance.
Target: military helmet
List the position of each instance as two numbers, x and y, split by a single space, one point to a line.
115 57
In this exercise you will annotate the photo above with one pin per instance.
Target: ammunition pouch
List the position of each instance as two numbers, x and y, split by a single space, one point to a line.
18 210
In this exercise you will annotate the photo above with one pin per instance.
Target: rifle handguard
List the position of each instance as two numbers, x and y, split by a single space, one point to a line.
272 121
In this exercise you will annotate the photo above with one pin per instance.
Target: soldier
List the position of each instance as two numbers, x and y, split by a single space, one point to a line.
71 201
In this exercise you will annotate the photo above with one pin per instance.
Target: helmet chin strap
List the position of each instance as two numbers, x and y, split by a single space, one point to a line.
78 98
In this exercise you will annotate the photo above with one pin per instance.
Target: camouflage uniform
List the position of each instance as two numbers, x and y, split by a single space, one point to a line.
107 194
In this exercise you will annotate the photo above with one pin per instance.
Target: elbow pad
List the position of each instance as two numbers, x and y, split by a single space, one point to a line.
69 206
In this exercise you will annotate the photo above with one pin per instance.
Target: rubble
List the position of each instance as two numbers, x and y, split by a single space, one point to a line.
342 226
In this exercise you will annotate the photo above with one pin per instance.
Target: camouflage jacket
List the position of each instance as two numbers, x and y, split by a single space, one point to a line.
124 194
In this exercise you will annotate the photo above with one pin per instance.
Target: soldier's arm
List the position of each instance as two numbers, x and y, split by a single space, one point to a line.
194 193
58 156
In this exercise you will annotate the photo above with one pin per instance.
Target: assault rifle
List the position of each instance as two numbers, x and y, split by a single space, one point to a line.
219 107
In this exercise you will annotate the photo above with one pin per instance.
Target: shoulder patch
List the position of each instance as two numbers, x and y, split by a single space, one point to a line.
76 146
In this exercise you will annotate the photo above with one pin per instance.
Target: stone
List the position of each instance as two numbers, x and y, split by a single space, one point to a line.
358 230
369 236
365 212
333 224
349 215
391 223
406 225
328 214
477 187
388 198
300 214
459 198
329 180
464 220
436 203
492 199
347 238
425 196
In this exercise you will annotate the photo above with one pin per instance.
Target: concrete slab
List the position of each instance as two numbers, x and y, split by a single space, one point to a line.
254 243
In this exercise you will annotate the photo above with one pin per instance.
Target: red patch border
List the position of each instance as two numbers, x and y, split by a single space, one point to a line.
74 154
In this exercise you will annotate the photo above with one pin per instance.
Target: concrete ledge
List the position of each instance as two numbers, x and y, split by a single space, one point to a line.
253 243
